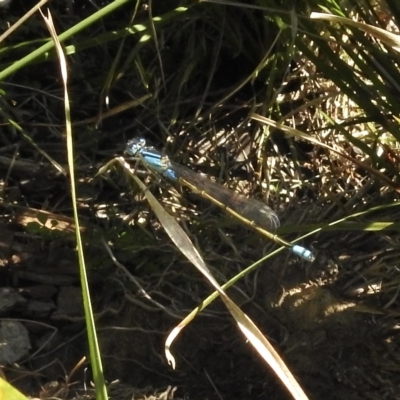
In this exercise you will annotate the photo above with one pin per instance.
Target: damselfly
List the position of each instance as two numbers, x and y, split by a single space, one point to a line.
250 212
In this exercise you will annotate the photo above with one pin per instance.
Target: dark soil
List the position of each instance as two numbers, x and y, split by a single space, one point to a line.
333 321
330 328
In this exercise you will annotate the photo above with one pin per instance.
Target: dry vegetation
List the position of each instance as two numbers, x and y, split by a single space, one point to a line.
192 78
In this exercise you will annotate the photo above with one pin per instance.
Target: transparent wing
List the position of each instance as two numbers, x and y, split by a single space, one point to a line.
251 209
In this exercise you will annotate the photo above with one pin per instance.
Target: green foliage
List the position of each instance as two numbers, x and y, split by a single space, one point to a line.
9 392
189 75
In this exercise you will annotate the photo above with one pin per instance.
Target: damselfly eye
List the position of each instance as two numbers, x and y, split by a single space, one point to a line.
134 145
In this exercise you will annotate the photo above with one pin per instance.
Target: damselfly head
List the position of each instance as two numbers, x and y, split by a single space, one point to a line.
134 146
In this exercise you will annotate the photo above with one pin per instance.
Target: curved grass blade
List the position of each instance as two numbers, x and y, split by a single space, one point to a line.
245 324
